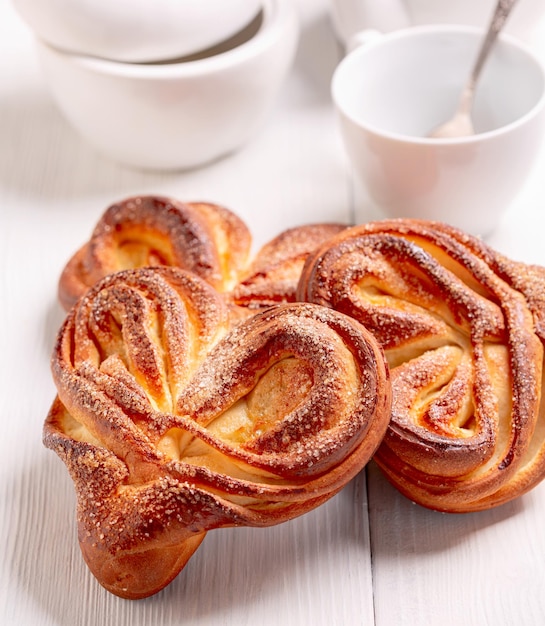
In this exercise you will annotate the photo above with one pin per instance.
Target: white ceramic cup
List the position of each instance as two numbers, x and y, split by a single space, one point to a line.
392 91
351 16
179 115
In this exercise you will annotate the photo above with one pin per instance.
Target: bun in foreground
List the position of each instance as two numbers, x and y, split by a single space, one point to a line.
174 419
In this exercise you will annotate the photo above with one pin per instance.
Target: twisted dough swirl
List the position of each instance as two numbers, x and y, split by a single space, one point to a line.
172 421
144 231
206 239
462 329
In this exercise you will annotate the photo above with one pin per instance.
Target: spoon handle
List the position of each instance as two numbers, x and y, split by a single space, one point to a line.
501 13
460 125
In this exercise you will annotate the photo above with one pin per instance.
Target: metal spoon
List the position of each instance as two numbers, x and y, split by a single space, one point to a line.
461 125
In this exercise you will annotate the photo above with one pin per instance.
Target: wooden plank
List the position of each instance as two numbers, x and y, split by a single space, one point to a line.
476 568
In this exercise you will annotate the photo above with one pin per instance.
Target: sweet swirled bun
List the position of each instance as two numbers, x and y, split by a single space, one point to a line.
143 231
173 419
462 330
273 275
206 239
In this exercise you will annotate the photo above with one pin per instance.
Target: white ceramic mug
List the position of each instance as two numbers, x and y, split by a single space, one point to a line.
391 92
352 16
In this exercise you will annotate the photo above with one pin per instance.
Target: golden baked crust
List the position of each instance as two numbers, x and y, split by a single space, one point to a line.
462 329
274 273
173 419
143 231
204 238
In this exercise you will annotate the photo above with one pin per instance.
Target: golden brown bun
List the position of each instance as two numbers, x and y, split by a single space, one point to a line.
144 231
274 273
462 329
200 237
173 420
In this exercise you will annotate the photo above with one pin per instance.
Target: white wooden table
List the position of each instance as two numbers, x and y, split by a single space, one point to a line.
368 556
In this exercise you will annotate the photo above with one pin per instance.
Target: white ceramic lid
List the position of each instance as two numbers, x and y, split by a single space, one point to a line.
136 30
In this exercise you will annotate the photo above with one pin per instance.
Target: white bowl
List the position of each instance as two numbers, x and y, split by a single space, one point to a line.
176 115
136 30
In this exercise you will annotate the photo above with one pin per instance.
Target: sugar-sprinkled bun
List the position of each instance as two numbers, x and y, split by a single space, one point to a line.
206 239
462 329
174 418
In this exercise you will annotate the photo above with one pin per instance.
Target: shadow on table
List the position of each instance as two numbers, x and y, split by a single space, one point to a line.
399 526
53 319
